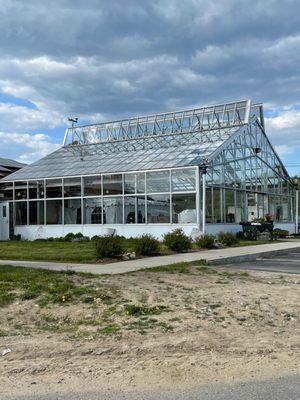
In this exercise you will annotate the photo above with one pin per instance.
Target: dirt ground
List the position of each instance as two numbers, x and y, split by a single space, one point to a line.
189 328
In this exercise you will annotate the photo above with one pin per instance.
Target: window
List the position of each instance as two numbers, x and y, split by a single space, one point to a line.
72 187
158 209
183 180
134 183
240 206
21 213
36 213
93 211
286 209
36 189
7 190
184 209
158 181
134 208
53 188
230 206
20 190
217 201
53 212
4 211
92 186
113 210
72 211
209 210
112 184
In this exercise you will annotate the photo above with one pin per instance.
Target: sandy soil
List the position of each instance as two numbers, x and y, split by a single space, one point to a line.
216 327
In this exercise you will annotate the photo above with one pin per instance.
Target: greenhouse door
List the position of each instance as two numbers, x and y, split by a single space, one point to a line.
4 221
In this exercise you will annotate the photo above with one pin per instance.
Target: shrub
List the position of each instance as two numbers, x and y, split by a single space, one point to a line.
146 245
69 237
78 235
240 235
206 242
81 239
96 237
280 233
17 237
227 238
177 241
109 246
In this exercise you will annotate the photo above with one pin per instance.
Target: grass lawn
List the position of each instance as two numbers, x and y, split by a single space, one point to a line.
48 251
76 252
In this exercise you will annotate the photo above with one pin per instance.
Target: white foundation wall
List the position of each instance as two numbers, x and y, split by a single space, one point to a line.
46 231
287 226
214 229
33 232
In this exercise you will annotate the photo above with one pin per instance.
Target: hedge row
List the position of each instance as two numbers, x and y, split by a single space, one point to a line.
147 245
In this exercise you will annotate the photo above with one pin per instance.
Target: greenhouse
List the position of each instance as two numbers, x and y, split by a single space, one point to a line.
203 170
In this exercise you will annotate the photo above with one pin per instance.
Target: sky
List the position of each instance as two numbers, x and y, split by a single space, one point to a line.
102 60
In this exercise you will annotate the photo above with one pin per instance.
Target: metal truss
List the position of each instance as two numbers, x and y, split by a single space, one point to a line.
168 129
248 159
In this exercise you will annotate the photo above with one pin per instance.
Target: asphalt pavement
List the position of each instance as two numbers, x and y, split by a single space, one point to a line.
283 388
288 262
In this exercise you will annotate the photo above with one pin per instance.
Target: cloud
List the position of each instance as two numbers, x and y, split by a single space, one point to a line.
25 147
283 130
102 60
24 119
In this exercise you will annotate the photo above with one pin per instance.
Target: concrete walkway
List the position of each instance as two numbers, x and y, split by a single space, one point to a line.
215 257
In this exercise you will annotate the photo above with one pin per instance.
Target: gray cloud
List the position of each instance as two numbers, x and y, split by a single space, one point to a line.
103 59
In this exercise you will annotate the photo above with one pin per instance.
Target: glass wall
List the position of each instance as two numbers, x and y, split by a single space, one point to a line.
54 211
21 213
72 211
113 210
184 208
154 197
247 181
72 187
134 209
112 184
53 188
92 210
92 186
158 209
236 191
36 213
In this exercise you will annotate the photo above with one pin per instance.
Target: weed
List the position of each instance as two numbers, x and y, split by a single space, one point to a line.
135 311
109 329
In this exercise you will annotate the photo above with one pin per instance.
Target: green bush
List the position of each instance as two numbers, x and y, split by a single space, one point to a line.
280 233
17 237
227 238
240 235
78 235
205 242
109 246
146 245
177 241
69 237
96 237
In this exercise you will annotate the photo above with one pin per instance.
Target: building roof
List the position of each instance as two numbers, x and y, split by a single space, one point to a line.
178 139
8 166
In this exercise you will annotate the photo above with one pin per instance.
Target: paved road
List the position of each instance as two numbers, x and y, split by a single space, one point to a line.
285 263
284 388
